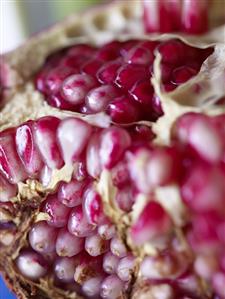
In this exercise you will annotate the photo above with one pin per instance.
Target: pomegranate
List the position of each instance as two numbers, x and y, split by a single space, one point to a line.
112 158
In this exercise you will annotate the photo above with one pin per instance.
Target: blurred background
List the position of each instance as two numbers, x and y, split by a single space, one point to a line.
21 18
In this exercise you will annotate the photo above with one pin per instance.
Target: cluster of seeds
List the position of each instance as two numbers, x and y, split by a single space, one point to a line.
116 77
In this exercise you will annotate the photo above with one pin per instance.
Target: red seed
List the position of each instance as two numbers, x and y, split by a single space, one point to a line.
75 88
142 92
195 16
78 224
139 55
45 137
42 237
108 72
27 149
123 110
182 74
10 164
98 98
114 141
56 210
91 67
152 223
71 129
68 244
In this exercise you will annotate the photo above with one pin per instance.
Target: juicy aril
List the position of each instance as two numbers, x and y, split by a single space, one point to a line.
112 165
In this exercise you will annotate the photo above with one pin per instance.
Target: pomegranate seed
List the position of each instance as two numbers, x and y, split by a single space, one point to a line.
114 141
203 189
109 51
55 77
45 137
118 248
106 231
172 51
162 16
70 194
139 55
57 100
142 92
87 268
42 237
8 190
195 16
153 222
182 74
125 199
123 110
91 67
56 210
110 263
75 88
80 171
95 245
205 266
92 156
128 74
218 283
78 50
10 165
126 267
112 287
92 286
108 72
68 244
78 224
27 150
120 174
46 176
92 206
71 129
65 268
98 99
31 264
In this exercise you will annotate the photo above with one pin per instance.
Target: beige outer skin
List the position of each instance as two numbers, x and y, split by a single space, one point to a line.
116 20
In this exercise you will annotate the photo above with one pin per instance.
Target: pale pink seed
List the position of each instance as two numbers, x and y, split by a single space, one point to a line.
95 245
70 194
46 176
10 164
92 286
65 268
117 247
45 137
189 283
32 265
114 141
218 283
42 237
92 206
7 190
58 212
107 231
68 244
152 223
80 171
205 139
78 224
206 265
92 156
126 267
112 287
125 199
98 98
110 263
27 149
75 88
69 131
